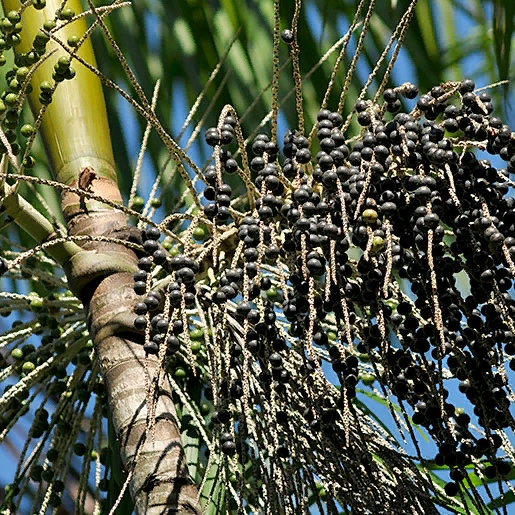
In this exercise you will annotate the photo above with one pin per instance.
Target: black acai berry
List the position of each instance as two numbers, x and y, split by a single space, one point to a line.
287 36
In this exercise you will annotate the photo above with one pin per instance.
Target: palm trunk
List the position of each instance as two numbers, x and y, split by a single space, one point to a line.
76 137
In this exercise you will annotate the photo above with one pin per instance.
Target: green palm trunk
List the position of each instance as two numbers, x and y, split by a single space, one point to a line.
76 138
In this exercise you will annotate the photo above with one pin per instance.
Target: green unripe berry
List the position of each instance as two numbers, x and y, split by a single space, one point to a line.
14 40
197 334
39 4
18 28
19 61
70 73
73 41
49 25
31 57
195 347
180 373
64 61
28 367
377 244
45 99
200 233
14 17
14 85
205 408
57 77
62 65
45 86
22 72
272 293
41 39
29 162
11 136
3 60
10 124
156 203
6 26
66 14
39 45
3 44
167 243
36 303
11 99
11 116
370 216
138 203
367 379
17 354
27 131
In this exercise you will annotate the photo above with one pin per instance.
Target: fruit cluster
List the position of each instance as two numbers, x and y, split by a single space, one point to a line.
315 278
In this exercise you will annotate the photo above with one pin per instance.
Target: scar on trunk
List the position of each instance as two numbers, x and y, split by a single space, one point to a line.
86 177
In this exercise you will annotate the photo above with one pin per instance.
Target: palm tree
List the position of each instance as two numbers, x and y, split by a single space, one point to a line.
212 369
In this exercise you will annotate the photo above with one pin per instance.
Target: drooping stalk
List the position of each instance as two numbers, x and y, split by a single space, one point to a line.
75 133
